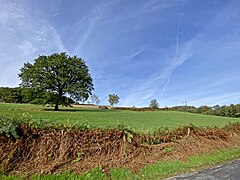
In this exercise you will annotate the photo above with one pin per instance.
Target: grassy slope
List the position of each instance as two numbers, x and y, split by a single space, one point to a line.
138 121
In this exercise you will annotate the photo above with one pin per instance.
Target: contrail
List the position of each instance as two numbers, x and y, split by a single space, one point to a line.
167 83
176 53
177 38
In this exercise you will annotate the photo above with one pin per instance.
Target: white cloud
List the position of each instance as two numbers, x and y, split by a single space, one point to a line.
135 53
90 23
24 35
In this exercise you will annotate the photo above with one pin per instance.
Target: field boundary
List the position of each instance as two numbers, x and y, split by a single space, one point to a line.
54 150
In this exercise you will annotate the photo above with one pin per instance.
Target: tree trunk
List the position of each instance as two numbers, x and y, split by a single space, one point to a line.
58 99
56 107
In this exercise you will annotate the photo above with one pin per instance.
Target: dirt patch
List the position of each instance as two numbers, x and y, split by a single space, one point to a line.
56 150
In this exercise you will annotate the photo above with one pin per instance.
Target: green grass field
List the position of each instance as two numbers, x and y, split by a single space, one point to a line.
136 121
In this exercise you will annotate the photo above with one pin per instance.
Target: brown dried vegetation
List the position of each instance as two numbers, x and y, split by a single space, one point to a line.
43 151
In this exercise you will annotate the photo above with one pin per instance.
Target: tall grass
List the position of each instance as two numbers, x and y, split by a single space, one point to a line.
158 170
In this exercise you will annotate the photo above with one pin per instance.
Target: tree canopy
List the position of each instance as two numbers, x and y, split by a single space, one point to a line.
113 99
60 74
154 104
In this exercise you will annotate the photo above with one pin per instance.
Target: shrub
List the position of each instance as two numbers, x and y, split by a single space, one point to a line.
103 107
9 126
38 101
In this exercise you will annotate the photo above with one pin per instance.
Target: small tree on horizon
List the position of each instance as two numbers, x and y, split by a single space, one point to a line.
154 104
60 75
95 99
113 99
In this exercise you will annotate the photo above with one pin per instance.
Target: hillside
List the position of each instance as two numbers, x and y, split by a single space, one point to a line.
137 121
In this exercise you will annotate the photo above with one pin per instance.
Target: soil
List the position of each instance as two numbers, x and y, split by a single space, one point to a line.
44 151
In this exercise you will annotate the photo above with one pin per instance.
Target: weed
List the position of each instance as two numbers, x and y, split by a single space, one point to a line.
168 149
121 126
128 136
79 157
84 126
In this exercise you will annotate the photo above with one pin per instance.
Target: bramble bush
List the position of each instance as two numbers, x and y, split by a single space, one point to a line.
9 126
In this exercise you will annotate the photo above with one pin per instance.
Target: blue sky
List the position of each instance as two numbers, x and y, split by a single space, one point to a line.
169 50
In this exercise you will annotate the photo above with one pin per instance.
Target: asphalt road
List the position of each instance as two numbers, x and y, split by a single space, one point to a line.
229 171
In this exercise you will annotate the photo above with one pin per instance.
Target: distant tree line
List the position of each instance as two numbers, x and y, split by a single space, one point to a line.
217 110
29 95
226 111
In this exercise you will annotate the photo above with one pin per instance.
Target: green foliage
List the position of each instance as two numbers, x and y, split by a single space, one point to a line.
203 109
9 126
154 104
29 95
38 101
113 99
10 95
226 111
84 126
59 74
190 109
168 149
103 107
128 136
79 157
152 141
121 126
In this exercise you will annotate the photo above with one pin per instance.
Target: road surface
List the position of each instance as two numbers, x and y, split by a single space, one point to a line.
228 171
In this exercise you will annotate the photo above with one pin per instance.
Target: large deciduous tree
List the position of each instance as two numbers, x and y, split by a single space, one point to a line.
60 74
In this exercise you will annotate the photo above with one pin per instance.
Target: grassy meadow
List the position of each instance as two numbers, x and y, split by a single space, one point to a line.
98 118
